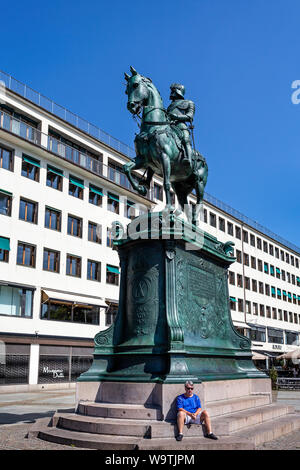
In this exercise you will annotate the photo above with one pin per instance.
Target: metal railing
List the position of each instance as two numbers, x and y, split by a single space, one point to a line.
71 154
63 113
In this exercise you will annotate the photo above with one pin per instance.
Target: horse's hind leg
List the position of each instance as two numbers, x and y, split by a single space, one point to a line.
165 160
199 187
182 199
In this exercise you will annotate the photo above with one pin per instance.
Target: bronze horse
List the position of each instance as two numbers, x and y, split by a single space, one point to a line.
159 150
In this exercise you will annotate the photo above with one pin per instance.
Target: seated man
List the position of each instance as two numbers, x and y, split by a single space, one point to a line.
189 412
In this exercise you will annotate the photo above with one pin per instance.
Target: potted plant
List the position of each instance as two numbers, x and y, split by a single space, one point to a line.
274 377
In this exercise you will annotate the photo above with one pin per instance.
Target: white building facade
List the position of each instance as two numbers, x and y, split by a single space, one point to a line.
61 187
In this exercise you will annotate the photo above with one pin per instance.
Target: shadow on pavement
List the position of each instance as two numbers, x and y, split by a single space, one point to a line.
13 418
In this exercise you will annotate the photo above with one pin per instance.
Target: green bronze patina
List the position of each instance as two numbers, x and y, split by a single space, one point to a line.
174 320
163 145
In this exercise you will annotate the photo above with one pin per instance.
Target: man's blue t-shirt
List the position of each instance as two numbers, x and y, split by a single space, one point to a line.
190 404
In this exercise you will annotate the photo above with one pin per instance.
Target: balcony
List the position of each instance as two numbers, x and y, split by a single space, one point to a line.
78 157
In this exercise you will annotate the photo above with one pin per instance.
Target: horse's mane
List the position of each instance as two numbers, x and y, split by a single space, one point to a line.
150 84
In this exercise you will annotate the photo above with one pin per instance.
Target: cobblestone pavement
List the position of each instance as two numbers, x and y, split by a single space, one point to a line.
18 411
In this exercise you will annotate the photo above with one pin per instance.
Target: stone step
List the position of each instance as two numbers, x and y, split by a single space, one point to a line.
88 441
114 410
270 430
223 407
225 425
96 425
112 442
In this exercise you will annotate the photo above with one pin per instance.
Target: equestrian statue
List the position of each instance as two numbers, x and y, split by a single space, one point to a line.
163 145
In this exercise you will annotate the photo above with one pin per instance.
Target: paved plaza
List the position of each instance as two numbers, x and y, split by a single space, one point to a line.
18 412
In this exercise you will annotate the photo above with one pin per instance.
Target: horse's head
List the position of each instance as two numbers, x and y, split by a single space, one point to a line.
137 90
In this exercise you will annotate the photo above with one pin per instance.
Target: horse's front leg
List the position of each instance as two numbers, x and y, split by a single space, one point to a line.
134 165
165 160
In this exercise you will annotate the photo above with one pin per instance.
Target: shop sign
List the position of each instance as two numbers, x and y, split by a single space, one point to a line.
276 346
56 373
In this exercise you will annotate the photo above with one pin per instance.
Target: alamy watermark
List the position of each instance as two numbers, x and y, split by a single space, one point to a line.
296 94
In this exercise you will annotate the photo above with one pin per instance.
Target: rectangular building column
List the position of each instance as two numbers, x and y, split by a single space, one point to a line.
34 364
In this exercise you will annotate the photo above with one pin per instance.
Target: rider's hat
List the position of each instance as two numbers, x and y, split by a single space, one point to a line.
180 90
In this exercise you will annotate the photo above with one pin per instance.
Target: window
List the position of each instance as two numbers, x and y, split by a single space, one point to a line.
254 285
113 203
288 277
247 283
238 232
6 159
239 280
255 308
4 249
278 293
67 311
245 236
232 303
76 187
5 202
276 252
30 168
262 310
274 313
205 216
258 334
273 291
278 272
73 266
268 312
26 255
252 239
238 256
54 178
271 250
297 262
258 243
111 313
230 228
248 307
16 301
291 337
93 270
74 226
266 268
158 191
95 195
240 305
265 245
253 262
112 275
212 219
28 211
109 238
51 260
52 219
279 314
287 258
283 275
129 210
261 287
259 265
231 276
246 259
116 174
272 271
95 232
282 255
275 336
221 224
292 261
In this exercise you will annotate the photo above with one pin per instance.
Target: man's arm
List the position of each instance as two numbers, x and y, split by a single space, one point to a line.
187 412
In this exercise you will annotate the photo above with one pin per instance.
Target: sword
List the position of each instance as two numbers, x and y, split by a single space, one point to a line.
192 133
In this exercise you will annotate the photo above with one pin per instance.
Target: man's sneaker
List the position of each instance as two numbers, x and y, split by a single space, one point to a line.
179 437
211 436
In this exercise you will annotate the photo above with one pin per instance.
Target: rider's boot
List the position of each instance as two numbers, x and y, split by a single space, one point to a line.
187 161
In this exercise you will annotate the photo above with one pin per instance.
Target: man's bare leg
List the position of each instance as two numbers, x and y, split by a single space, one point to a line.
204 417
180 421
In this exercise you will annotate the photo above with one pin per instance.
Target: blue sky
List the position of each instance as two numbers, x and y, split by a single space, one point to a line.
236 58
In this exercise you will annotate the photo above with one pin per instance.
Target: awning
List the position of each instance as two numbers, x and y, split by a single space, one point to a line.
94 189
241 324
233 299
32 161
4 244
112 269
295 354
257 356
56 171
77 182
75 299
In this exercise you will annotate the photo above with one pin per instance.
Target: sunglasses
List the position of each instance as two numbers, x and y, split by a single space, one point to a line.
189 388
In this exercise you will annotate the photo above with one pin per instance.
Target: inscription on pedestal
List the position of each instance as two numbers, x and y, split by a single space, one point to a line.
201 283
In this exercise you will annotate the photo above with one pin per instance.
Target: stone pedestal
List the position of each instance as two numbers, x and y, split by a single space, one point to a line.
174 322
